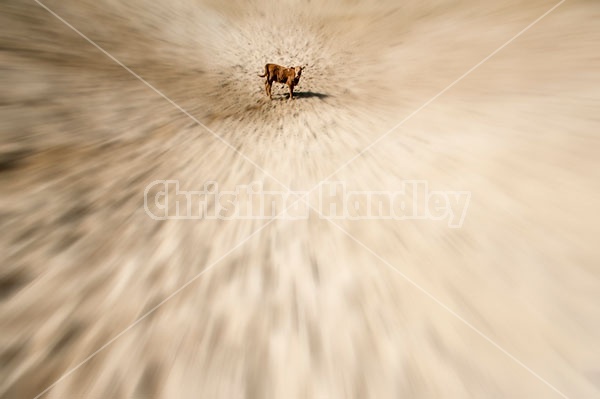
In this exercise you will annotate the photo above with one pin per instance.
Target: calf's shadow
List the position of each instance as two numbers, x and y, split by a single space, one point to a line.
310 94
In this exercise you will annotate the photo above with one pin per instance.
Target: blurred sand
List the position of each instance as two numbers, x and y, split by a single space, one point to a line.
300 310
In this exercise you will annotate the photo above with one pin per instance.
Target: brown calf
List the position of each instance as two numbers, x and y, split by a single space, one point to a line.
279 74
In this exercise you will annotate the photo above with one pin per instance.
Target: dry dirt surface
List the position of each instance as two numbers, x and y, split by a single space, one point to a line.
99 300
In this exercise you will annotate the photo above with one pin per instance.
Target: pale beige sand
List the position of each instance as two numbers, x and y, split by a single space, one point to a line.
300 310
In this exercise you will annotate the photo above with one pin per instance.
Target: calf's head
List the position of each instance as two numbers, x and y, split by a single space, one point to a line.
297 73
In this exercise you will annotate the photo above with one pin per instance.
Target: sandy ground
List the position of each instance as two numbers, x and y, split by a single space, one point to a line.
504 307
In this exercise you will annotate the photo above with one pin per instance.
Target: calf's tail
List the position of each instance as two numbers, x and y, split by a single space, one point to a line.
265 74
